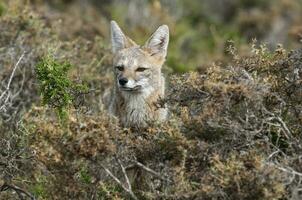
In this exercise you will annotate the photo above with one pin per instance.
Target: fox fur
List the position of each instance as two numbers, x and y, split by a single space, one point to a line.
139 82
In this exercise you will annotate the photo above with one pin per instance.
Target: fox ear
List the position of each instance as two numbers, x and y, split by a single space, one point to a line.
118 39
157 44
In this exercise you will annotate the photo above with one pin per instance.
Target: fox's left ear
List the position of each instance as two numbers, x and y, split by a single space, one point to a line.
157 44
119 40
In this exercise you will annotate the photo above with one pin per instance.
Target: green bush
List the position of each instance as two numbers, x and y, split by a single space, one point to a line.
56 89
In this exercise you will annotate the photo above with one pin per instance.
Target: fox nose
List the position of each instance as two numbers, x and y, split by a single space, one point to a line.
123 81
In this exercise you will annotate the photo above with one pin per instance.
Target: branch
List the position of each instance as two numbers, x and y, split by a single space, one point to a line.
272 154
128 190
286 129
151 171
288 170
125 174
17 189
12 75
9 82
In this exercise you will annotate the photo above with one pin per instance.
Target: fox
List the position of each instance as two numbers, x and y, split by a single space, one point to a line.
139 82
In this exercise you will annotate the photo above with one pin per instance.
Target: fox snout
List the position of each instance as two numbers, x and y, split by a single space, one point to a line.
123 81
129 85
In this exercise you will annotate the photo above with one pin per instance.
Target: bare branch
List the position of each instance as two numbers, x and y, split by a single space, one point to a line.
125 174
151 171
128 190
272 154
283 124
17 189
6 91
13 73
289 170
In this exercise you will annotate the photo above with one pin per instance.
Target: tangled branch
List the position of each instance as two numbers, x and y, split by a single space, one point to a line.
5 95
21 192
128 187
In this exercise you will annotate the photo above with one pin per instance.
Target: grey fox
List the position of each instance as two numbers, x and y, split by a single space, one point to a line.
139 82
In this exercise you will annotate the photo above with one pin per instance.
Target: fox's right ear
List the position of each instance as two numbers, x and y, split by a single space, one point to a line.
157 44
118 39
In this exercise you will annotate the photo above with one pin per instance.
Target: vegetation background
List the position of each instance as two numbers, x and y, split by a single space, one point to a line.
234 71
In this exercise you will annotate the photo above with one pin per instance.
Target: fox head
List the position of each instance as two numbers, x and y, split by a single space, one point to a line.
138 68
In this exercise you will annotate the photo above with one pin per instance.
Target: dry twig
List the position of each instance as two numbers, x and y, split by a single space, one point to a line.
128 189
151 171
5 94
17 189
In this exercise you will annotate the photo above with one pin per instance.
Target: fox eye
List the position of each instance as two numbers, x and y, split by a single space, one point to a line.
120 68
141 69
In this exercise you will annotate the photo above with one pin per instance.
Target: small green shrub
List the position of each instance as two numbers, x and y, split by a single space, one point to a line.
84 175
56 89
39 188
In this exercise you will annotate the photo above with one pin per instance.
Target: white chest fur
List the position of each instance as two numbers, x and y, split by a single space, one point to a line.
137 111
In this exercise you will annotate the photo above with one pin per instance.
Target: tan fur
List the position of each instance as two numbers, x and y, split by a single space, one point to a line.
137 107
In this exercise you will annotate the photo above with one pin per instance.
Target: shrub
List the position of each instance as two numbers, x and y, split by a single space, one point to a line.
242 177
56 89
